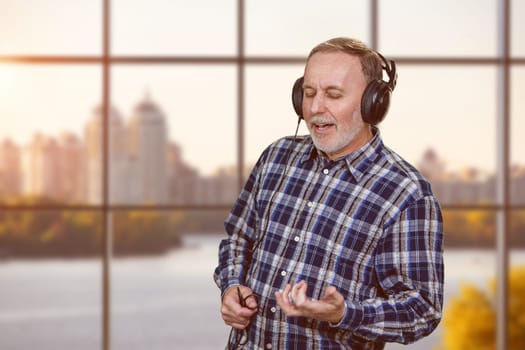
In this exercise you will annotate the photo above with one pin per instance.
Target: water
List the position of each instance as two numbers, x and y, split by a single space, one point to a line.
163 302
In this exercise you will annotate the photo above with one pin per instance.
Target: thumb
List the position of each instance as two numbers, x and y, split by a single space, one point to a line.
251 301
332 296
330 292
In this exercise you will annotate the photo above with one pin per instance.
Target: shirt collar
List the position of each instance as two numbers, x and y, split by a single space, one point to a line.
359 161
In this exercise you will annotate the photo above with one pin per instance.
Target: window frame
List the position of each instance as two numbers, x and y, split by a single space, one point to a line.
503 206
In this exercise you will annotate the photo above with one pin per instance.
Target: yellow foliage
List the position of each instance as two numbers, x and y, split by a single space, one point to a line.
469 320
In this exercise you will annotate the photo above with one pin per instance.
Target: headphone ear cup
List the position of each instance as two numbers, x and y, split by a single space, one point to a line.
297 97
375 101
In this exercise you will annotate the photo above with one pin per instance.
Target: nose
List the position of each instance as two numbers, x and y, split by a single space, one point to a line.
317 104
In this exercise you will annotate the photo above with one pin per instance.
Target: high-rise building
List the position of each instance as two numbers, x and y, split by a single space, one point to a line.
10 171
41 167
72 168
517 185
431 166
118 159
148 144
182 179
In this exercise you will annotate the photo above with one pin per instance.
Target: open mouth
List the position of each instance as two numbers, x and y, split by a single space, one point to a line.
322 126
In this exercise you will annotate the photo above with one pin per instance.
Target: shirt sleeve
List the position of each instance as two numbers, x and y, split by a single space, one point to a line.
235 251
409 268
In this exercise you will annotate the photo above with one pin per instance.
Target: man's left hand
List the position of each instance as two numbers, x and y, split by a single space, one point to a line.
294 302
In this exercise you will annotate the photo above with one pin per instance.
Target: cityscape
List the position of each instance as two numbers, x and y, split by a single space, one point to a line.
145 167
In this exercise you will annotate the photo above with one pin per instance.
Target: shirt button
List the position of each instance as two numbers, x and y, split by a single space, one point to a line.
268 346
310 204
273 309
325 171
283 273
296 238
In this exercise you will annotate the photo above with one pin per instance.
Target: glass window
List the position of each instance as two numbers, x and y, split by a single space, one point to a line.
517 236
51 27
168 27
50 272
516 276
269 110
517 141
293 27
517 28
438 28
173 144
442 120
44 109
162 285
179 126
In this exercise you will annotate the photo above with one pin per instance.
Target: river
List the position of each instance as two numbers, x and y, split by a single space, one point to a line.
157 303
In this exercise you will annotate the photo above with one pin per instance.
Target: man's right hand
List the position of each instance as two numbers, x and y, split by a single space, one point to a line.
232 311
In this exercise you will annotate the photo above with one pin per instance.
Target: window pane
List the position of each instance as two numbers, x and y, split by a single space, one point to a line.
517 139
51 27
269 111
166 298
517 233
52 302
438 28
168 27
516 290
518 28
517 271
293 27
470 270
442 120
44 110
177 125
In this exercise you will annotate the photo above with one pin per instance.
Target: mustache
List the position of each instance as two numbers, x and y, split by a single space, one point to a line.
320 119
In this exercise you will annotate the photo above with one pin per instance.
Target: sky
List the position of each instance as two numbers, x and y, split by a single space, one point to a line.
450 109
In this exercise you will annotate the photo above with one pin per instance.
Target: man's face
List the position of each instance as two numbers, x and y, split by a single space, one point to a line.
333 86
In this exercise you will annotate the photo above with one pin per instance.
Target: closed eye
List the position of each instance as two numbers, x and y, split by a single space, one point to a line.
334 92
309 92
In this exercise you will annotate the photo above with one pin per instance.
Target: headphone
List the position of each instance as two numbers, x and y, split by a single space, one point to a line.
375 100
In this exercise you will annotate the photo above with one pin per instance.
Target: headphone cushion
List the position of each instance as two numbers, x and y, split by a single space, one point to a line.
375 101
297 96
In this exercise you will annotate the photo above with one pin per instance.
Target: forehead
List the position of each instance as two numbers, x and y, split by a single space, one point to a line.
332 67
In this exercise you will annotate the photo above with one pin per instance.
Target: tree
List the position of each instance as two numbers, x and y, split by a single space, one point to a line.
469 321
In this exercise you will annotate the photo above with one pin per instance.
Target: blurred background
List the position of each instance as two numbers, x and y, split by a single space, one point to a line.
127 128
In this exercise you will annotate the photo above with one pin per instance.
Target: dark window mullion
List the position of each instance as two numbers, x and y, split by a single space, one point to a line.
106 215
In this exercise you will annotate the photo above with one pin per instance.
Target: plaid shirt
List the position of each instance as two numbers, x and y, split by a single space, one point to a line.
367 224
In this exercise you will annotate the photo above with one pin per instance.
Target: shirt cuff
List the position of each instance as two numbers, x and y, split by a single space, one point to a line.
231 284
353 317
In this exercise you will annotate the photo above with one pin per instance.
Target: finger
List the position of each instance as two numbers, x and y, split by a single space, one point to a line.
331 296
250 299
286 294
237 320
238 325
283 300
299 293
251 302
